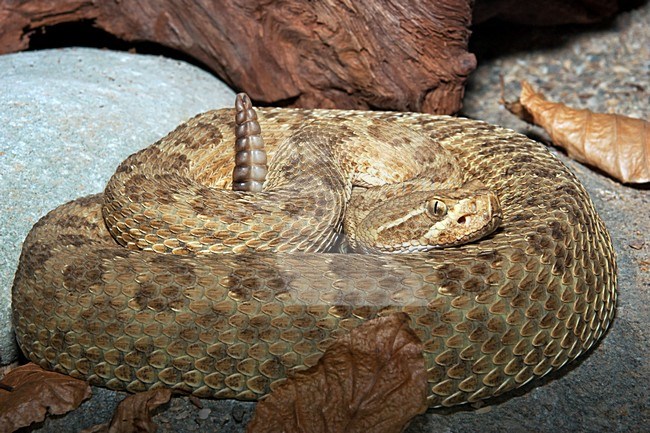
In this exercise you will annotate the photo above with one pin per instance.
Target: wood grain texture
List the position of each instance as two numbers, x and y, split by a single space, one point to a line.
375 54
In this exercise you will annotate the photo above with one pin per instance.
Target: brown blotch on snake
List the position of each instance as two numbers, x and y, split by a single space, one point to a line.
492 314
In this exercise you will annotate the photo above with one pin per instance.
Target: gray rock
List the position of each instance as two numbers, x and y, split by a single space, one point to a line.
67 118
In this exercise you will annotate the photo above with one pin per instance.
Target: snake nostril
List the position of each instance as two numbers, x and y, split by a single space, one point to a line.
462 220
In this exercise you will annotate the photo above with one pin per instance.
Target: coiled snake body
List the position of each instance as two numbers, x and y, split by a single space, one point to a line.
492 315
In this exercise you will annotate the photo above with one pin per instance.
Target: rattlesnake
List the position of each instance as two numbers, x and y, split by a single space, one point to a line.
491 314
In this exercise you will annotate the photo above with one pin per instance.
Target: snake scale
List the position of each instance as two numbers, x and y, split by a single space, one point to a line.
491 314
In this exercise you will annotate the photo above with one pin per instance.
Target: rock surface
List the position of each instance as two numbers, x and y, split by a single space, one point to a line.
67 119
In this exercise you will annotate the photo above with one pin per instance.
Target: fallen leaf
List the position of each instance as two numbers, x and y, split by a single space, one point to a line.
372 380
134 413
34 393
637 245
618 145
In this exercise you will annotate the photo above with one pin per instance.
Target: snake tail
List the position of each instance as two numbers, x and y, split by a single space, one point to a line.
250 158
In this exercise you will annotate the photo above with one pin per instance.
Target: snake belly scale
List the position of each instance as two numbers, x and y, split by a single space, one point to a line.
492 315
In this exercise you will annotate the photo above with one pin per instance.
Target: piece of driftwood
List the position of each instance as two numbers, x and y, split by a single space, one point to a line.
381 54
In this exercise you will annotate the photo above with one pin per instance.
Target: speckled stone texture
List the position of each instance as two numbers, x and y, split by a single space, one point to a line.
67 119
603 67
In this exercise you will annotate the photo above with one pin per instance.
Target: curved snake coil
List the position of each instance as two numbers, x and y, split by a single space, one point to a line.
492 315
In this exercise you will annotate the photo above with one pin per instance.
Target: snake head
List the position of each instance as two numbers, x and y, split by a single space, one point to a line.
467 216
426 220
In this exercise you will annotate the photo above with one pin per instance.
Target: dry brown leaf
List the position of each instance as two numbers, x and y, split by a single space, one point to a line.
372 380
36 392
134 413
618 145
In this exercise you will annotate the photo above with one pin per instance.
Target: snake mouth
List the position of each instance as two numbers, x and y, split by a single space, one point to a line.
475 224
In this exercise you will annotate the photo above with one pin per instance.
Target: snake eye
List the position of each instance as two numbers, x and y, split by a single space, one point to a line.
437 208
